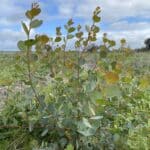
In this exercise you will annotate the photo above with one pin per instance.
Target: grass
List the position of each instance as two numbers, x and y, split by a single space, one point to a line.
128 124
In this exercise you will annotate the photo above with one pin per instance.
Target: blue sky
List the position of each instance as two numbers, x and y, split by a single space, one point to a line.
128 19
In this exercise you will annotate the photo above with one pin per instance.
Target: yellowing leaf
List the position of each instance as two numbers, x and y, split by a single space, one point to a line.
96 18
43 39
35 11
32 13
144 82
111 77
69 64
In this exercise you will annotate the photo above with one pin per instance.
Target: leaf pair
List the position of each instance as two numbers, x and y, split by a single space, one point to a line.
33 24
30 14
22 45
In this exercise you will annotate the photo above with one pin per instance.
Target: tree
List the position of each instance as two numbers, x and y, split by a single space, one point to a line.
147 43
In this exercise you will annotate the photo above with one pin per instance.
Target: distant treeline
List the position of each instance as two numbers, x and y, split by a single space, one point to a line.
143 49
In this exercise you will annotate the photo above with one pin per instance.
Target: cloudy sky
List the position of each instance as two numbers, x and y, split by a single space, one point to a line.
128 19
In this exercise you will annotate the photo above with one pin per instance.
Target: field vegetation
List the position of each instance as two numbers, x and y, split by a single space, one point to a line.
55 99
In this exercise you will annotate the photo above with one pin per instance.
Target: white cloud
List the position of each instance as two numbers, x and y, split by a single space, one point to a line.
135 39
111 10
126 26
10 13
114 13
134 33
9 38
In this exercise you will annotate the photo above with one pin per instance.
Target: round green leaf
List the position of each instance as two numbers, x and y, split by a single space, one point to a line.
21 45
96 18
35 23
79 34
71 29
57 39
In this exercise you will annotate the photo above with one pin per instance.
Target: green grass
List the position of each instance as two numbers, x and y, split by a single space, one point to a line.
123 108
139 61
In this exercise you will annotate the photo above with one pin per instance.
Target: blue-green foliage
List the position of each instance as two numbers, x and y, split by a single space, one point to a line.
75 100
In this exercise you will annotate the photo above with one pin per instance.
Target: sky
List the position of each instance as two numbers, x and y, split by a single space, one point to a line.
129 19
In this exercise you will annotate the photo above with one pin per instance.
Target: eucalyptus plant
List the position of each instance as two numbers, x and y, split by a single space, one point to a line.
74 100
